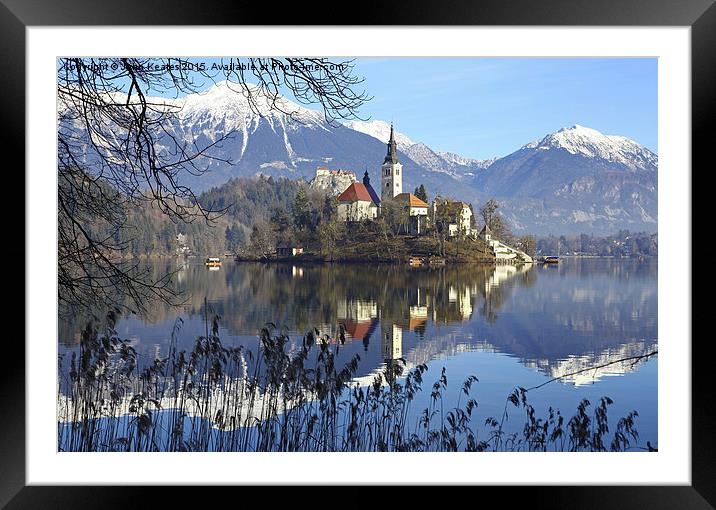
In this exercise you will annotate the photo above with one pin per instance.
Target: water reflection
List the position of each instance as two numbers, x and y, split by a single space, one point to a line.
556 320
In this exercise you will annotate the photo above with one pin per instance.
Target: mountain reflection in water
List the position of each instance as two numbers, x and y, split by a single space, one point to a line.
582 314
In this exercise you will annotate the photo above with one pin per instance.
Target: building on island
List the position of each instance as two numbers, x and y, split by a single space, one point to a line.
391 345
332 182
371 191
500 250
356 204
288 249
323 171
459 215
417 212
391 182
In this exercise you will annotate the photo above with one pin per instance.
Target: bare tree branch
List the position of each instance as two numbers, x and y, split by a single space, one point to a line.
118 150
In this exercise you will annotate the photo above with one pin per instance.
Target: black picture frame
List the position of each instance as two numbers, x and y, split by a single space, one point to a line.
16 15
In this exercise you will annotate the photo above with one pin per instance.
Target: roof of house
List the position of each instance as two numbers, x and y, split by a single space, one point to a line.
452 205
354 193
411 199
360 330
485 230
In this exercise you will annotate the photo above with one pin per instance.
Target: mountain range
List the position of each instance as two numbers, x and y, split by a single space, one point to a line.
575 180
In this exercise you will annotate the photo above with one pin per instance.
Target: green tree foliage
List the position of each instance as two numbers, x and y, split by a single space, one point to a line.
302 218
235 237
421 193
282 224
246 202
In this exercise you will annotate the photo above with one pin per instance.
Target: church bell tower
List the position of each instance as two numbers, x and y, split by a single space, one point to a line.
391 171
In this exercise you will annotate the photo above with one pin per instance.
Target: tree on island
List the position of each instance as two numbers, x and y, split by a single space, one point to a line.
421 193
496 222
116 155
392 220
488 211
441 221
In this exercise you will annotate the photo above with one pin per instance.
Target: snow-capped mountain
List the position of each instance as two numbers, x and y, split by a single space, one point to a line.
576 180
453 165
463 161
593 144
573 180
380 130
287 139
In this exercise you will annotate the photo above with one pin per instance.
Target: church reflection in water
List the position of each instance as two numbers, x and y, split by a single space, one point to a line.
411 308
554 320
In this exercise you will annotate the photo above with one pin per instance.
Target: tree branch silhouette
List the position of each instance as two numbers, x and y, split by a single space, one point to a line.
118 151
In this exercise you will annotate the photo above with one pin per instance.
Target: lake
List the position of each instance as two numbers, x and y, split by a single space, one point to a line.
509 326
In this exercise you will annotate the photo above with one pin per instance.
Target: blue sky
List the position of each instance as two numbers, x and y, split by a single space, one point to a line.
485 107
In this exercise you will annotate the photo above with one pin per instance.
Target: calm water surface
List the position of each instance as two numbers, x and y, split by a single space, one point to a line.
509 326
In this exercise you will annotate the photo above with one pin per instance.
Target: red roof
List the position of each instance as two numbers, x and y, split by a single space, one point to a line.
355 192
357 330
411 200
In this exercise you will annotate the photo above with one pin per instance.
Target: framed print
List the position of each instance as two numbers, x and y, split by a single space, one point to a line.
428 253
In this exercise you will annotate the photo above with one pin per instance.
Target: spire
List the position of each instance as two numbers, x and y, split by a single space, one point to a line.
392 156
366 178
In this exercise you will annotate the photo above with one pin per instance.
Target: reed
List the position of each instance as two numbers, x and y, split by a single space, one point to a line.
218 398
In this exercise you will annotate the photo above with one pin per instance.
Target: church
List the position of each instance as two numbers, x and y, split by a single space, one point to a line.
360 201
391 171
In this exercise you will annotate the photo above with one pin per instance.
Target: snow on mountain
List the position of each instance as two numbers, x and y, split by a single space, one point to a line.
573 180
454 165
463 161
240 107
228 107
380 130
593 144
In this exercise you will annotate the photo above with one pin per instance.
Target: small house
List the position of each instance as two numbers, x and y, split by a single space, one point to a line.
287 249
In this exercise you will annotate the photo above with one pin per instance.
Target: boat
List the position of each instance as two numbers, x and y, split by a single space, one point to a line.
212 261
550 259
416 261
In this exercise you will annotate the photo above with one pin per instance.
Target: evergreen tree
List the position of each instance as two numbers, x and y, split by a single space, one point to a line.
421 193
301 210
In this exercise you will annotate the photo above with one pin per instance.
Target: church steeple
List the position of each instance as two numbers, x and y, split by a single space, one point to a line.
392 156
391 182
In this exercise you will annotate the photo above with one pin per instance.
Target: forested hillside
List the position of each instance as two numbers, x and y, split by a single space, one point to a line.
239 204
